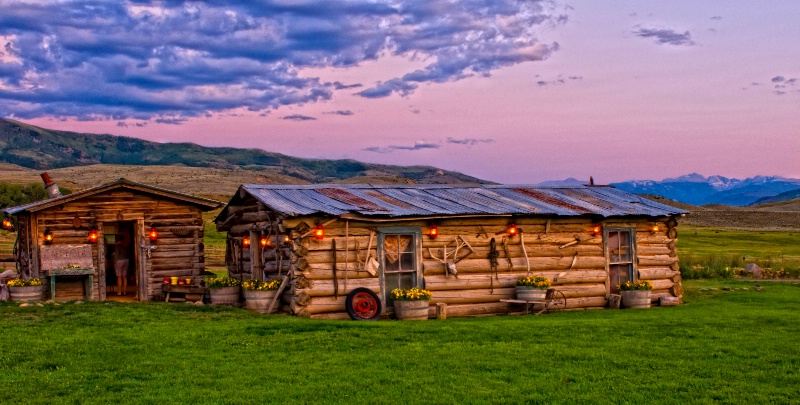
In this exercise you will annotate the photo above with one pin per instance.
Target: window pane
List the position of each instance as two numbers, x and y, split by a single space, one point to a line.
619 247
619 273
399 280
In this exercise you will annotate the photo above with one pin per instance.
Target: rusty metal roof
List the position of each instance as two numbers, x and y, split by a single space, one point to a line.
453 199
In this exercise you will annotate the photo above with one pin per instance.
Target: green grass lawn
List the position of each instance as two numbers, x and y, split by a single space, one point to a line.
709 252
729 346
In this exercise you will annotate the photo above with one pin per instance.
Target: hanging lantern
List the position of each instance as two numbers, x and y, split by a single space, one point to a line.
153 234
48 236
94 235
512 230
596 229
319 232
246 241
654 228
264 241
433 231
286 239
7 224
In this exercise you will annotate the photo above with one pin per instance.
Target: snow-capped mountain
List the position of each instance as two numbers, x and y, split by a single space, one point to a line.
699 190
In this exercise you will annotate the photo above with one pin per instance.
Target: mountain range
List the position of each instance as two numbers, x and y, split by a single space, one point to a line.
696 189
33 147
38 148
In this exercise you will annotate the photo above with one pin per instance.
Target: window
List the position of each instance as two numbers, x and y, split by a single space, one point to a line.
621 256
400 266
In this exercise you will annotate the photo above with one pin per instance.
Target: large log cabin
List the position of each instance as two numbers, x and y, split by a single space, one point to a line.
468 244
80 230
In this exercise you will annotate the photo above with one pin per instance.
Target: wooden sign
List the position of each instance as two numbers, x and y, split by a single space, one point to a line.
60 256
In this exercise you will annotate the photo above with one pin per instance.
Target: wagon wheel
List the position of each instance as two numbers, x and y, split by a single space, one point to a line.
557 303
363 305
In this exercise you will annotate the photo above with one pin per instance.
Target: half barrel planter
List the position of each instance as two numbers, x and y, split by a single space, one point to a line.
635 299
259 301
31 293
225 295
530 293
411 310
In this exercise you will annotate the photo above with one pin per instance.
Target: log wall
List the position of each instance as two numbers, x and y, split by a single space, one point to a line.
179 247
562 249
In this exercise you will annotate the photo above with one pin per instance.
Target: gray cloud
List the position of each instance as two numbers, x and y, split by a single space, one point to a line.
418 145
716 18
558 80
340 112
469 141
298 117
665 36
167 61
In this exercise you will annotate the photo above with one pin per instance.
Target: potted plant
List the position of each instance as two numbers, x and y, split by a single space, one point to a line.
532 288
411 304
224 290
635 294
258 295
25 290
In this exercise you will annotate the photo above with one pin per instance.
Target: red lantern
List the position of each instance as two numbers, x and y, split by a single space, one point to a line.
264 241
433 231
596 229
7 224
287 239
246 241
153 234
94 235
319 232
48 236
654 229
512 230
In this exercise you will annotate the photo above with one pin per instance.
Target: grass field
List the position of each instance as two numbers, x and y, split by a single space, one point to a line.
734 346
714 252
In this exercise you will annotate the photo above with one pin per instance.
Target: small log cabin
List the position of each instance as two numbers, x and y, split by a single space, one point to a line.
468 244
164 230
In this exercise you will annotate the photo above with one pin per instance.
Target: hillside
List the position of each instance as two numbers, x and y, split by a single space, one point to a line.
38 148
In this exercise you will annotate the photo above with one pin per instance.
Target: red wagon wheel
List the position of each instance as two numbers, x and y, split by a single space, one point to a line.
363 305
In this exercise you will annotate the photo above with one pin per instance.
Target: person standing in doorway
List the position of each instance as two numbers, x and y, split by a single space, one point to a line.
122 262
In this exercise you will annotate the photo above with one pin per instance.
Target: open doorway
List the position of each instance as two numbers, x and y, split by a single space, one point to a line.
120 258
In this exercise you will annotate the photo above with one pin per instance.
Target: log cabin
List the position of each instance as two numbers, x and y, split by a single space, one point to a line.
75 236
467 244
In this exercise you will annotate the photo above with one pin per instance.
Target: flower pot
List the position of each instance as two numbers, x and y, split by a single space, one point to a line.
225 295
635 299
530 293
259 301
31 293
411 310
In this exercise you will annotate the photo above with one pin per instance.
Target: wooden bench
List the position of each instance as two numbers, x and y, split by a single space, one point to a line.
189 292
88 282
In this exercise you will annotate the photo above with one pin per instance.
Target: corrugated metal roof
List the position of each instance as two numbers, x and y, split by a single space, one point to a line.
453 199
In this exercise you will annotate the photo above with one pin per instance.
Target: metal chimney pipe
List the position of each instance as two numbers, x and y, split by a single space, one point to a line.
50 186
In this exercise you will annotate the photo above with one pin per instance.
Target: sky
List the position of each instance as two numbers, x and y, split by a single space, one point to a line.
511 91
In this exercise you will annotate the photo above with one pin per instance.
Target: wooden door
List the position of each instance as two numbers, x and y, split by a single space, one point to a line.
621 256
400 261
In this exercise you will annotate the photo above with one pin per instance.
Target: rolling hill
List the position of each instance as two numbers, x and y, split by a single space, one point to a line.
32 147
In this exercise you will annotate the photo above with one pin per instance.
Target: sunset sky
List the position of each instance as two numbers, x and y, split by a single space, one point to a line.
504 90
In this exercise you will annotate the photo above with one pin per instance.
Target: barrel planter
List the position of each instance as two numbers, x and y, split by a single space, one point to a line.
27 293
530 293
259 301
635 299
411 310
225 295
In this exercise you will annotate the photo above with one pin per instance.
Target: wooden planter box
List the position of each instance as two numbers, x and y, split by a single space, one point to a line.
530 293
26 294
225 295
411 310
259 301
635 299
